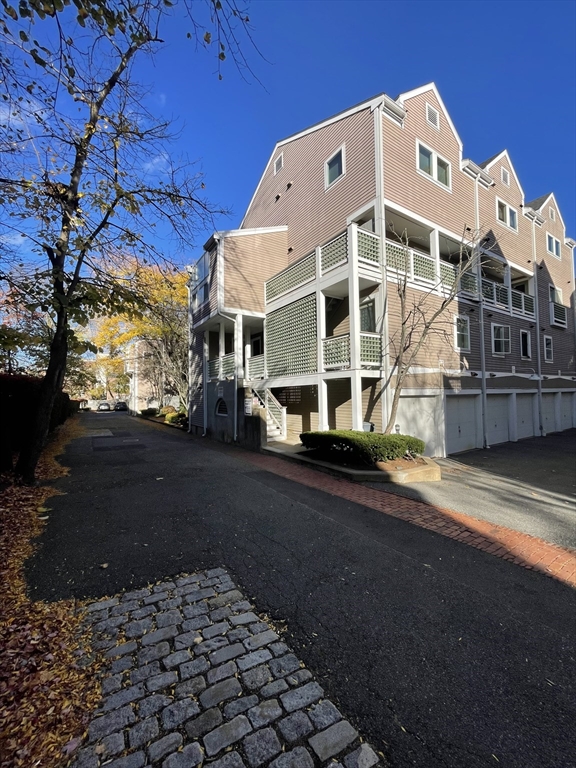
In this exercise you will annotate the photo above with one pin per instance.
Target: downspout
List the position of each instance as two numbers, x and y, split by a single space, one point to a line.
380 227
484 395
537 323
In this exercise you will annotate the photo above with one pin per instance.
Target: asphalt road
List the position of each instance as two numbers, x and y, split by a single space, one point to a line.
444 656
529 486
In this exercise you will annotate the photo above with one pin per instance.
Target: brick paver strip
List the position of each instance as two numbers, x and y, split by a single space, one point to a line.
519 548
244 705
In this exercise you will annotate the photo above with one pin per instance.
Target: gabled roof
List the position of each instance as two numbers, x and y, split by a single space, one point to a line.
424 89
539 201
486 165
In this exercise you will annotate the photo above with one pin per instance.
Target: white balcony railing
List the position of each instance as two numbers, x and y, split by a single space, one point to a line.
256 368
221 367
336 351
558 314
495 293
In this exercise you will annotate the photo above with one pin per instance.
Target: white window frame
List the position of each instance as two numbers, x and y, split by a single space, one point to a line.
429 109
505 176
456 346
509 340
341 149
434 158
546 358
552 214
554 294
281 159
508 209
529 345
556 250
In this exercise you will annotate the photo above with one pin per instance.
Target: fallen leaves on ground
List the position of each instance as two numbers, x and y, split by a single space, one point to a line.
47 689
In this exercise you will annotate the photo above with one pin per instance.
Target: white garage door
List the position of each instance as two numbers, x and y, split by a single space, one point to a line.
566 407
524 416
497 419
548 418
461 423
417 416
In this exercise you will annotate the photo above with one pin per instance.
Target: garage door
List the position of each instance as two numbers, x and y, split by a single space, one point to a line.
524 416
548 418
497 419
461 423
566 407
417 416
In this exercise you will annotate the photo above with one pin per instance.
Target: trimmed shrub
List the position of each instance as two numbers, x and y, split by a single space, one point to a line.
149 411
166 409
346 445
177 418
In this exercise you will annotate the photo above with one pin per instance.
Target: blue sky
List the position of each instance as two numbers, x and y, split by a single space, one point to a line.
506 71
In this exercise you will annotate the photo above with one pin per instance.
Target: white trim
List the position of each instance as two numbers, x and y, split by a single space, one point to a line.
281 159
505 176
551 213
456 346
554 241
529 356
557 293
253 231
341 150
426 89
505 154
547 200
434 123
360 211
435 156
501 354
551 358
508 209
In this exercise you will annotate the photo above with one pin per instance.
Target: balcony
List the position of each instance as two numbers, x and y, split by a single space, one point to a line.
522 304
336 351
558 315
222 367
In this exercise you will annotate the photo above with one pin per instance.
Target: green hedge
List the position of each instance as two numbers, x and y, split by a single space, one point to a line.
176 418
346 445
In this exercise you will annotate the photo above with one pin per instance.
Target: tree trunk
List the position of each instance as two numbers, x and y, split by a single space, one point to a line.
51 386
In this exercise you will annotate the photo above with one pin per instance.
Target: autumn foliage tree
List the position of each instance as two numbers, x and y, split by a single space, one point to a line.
78 198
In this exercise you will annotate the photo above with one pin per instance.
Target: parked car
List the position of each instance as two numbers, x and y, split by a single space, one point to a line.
103 407
121 406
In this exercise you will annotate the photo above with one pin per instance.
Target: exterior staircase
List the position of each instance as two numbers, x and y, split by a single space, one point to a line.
275 415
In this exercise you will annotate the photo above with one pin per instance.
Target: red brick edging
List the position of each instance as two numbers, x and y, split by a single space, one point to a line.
519 548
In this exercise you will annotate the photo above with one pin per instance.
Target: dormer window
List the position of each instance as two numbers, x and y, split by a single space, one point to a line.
279 163
505 177
433 116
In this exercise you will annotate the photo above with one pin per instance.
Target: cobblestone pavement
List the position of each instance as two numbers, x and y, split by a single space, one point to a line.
195 676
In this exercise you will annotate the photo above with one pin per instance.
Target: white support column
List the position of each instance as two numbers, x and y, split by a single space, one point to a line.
221 346
512 418
435 253
320 328
354 297
536 415
238 347
322 404
356 395
508 284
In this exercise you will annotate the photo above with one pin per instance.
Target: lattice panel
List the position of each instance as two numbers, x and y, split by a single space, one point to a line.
370 349
368 246
448 274
424 266
297 274
396 257
291 344
335 252
469 282
256 367
336 352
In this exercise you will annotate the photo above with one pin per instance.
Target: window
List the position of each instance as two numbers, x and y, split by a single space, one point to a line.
334 168
505 177
368 317
553 245
279 163
221 408
430 163
205 293
462 333
548 349
506 215
525 345
552 213
432 116
555 294
500 339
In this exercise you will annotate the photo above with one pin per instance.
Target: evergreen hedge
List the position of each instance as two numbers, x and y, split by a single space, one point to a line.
346 445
